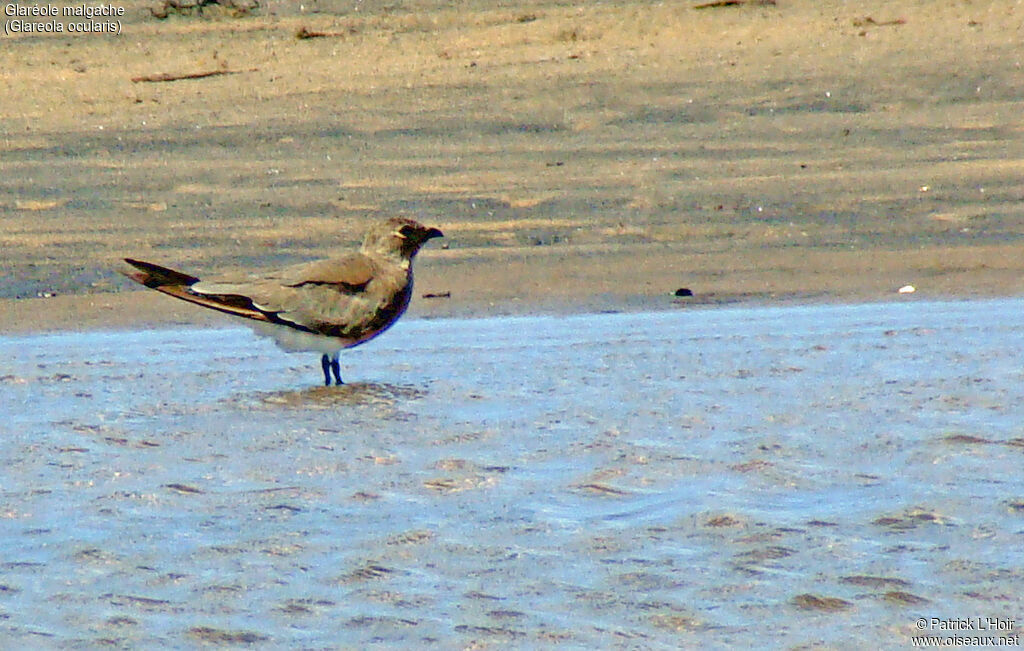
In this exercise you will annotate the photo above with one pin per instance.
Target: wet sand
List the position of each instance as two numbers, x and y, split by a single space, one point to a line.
806 476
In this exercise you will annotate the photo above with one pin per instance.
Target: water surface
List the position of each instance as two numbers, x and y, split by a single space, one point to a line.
710 477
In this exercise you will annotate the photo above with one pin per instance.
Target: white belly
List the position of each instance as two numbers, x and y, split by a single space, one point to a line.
295 341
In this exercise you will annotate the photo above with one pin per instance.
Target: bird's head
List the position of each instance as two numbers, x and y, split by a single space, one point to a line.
398 237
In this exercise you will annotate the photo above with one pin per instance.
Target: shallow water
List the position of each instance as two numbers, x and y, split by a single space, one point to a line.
709 477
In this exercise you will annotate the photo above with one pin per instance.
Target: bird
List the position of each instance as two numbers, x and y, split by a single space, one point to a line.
324 305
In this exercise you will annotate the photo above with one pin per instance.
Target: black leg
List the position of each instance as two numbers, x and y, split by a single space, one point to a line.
336 369
325 362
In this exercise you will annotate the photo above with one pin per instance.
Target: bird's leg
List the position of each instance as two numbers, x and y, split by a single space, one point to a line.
325 362
336 369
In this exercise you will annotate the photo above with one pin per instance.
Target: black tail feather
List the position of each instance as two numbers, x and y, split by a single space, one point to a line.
153 275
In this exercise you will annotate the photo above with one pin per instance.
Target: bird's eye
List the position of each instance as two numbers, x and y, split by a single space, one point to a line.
406 231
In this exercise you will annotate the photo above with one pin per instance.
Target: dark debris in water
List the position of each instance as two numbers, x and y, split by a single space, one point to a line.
1015 505
455 484
770 553
210 635
983 596
903 598
185 489
723 521
809 601
970 439
966 439
596 488
94 555
286 508
752 466
474 594
490 631
505 614
877 582
142 603
411 537
304 606
910 519
367 572
372 621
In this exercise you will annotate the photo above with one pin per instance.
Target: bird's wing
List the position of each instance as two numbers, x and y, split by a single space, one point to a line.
348 273
333 297
352 298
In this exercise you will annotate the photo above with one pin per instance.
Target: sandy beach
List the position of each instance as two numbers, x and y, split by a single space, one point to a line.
579 158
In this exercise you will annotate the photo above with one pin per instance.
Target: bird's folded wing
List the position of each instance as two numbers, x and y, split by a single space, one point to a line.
321 296
350 273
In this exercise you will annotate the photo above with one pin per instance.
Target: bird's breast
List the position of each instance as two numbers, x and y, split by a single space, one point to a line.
357 318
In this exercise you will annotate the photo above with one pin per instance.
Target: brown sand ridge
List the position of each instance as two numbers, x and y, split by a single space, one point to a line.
577 158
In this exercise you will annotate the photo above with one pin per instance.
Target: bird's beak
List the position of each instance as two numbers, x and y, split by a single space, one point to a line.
432 233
